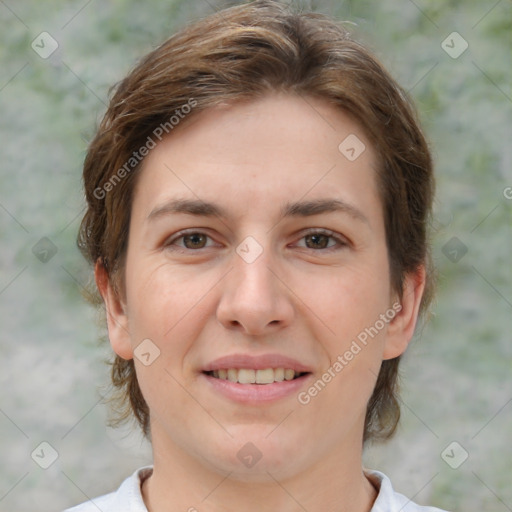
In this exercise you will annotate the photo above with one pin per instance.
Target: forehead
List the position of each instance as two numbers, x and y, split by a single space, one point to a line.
260 156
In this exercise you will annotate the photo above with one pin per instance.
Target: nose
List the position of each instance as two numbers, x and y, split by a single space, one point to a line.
255 299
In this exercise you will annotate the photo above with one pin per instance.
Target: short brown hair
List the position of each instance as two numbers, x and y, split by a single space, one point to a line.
243 53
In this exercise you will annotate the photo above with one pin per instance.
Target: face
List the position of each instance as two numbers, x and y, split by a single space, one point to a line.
258 306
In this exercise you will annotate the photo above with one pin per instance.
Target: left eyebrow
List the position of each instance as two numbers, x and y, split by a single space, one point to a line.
318 206
298 209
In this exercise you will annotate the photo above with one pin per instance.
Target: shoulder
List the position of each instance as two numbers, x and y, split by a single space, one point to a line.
390 501
128 498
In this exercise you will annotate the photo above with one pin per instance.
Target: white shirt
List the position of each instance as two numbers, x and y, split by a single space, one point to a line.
128 498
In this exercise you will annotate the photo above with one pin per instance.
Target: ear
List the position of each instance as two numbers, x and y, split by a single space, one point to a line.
401 328
117 319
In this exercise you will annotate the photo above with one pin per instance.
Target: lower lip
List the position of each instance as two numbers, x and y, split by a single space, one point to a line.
256 393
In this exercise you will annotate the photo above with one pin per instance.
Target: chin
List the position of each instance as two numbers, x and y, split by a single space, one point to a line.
255 456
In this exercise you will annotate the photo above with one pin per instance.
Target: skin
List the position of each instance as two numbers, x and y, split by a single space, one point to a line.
299 298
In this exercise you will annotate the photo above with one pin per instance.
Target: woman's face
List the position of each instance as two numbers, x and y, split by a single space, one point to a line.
257 251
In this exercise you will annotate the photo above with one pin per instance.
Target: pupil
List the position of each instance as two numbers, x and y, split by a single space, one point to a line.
194 237
315 240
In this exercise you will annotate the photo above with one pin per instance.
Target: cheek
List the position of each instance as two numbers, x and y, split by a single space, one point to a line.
158 299
356 349
345 398
168 399
355 302
170 308
340 394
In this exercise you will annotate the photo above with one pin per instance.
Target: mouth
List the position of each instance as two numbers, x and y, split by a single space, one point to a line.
256 376
256 379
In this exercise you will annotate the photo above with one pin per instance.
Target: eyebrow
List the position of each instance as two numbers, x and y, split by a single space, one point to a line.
201 208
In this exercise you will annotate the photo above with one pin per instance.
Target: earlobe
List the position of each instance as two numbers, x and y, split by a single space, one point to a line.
117 319
401 328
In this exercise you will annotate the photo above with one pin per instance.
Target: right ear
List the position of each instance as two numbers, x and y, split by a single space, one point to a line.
117 319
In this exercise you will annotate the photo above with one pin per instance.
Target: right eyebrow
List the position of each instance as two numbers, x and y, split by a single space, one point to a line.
188 206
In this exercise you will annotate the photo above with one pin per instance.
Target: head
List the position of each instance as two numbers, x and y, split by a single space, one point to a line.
253 108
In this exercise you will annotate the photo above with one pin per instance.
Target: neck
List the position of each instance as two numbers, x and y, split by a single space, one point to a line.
335 483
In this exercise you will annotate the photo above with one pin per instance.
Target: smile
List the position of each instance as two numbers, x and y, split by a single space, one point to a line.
252 376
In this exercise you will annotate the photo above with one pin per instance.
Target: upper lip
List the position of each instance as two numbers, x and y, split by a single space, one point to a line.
260 362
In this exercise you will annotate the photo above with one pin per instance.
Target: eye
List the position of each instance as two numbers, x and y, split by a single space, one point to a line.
191 240
320 238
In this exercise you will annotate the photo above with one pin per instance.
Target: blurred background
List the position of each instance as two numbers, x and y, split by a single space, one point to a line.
453 56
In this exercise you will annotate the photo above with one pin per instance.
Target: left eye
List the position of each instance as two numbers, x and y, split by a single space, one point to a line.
319 239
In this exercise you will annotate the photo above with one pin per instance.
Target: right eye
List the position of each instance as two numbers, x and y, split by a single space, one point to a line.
192 240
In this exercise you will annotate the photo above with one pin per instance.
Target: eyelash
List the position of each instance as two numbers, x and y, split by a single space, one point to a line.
330 234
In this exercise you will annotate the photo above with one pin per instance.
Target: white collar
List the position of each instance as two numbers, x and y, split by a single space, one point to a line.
128 498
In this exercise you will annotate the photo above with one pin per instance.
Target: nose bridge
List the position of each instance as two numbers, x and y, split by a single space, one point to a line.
254 280
253 296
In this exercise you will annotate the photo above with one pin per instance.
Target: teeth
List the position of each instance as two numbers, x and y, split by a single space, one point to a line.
249 376
289 374
279 374
246 376
265 376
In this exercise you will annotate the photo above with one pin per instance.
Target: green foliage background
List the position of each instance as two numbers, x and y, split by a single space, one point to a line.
457 372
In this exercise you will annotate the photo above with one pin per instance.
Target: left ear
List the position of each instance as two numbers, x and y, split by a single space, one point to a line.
401 328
